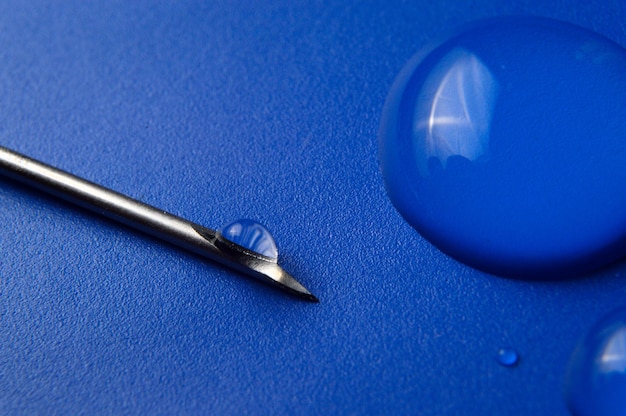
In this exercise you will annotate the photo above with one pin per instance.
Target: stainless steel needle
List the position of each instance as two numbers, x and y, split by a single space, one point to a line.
153 221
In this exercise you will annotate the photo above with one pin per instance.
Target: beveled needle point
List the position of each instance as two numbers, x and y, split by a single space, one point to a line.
244 245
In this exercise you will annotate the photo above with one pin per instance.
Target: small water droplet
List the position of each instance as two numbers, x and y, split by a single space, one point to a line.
493 148
595 383
252 236
508 357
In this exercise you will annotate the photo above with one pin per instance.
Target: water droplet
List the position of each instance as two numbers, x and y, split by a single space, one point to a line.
252 236
507 357
504 146
596 378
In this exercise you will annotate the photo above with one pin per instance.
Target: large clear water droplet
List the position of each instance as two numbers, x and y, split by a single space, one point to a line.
504 146
596 380
250 235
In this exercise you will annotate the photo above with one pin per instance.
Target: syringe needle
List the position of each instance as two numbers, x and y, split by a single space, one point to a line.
153 221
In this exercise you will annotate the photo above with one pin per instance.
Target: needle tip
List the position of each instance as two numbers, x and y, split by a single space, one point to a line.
311 298
293 286
274 274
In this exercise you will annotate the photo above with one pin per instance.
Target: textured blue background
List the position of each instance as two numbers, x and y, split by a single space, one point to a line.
232 109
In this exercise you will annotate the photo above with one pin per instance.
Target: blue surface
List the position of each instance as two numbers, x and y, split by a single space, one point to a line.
270 112
504 147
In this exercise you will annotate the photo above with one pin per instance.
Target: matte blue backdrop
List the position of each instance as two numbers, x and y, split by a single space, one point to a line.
267 111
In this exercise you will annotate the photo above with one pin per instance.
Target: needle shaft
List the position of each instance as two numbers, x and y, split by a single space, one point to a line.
150 220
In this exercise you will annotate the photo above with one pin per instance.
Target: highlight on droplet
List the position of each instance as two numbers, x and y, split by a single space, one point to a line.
595 383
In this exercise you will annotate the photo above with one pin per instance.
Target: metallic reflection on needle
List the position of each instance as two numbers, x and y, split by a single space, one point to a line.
151 220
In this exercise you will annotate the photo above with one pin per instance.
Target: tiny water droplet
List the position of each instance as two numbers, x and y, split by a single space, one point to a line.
595 384
252 236
507 357
501 142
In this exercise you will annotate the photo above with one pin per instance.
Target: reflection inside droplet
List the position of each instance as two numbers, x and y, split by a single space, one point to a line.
252 236
596 380
454 110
